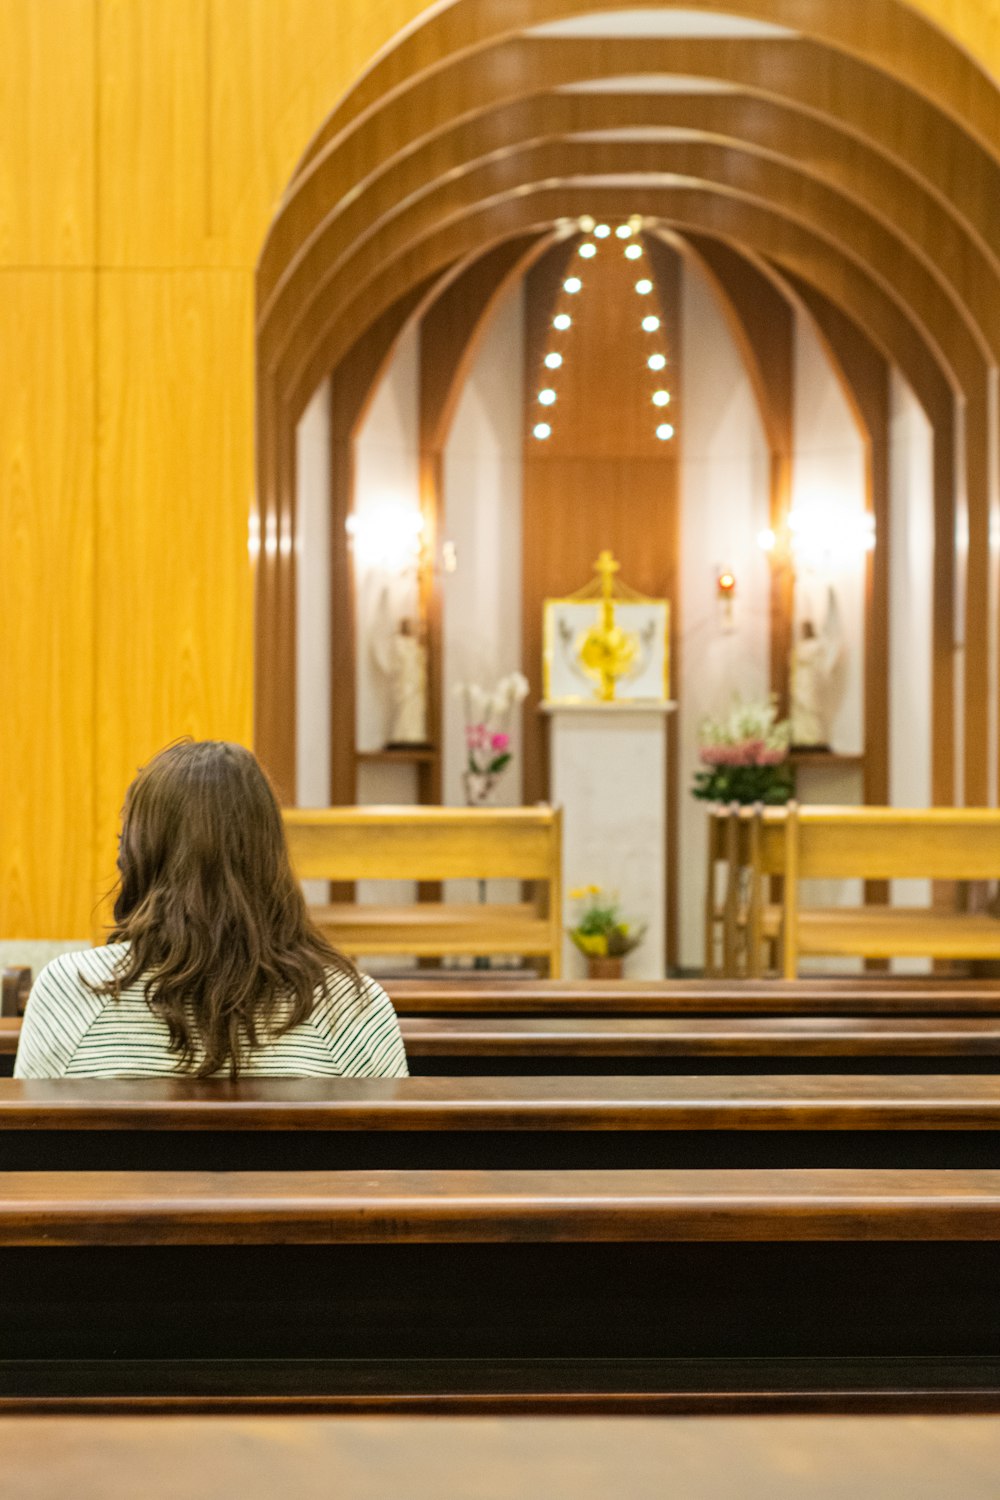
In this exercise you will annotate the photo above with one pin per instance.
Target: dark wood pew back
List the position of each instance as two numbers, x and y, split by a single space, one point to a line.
528 1045
556 1122
627 1290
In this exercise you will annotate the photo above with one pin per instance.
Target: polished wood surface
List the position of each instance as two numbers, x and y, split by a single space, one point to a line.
327 1208
563 1458
809 1102
422 842
628 1036
692 997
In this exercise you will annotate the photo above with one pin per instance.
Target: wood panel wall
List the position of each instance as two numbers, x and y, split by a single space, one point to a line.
144 147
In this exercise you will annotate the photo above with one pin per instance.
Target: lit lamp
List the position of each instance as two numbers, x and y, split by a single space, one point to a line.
725 592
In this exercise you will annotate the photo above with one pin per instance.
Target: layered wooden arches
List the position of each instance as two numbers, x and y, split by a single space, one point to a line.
858 161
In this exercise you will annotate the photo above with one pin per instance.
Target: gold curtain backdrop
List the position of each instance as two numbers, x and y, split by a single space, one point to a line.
145 147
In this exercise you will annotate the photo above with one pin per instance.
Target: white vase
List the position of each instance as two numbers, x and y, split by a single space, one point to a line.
479 787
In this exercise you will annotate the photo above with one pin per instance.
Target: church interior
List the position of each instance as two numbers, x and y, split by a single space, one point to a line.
561 440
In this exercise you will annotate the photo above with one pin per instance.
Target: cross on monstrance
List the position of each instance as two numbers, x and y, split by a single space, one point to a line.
606 653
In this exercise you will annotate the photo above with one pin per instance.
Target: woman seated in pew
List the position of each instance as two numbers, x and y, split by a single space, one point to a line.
213 965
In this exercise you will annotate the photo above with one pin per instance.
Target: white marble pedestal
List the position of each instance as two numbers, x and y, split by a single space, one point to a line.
608 773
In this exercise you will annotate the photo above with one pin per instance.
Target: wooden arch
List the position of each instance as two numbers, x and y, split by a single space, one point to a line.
883 128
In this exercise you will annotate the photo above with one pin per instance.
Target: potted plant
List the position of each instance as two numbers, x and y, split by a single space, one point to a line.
601 932
745 756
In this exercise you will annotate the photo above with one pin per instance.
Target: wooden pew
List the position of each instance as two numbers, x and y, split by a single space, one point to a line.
835 996
872 843
431 844
567 1457
15 985
590 1045
621 1290
530 1045
487 1123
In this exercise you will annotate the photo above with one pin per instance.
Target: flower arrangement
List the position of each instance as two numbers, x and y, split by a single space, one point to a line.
745 755
599 929
487 732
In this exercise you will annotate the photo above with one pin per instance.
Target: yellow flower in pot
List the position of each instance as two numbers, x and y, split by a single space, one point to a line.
601 933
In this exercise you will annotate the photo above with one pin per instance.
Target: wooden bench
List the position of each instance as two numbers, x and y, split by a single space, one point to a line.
233 1452
862 996
486 1123
565 1458
627 1290
15 987
432 844
530 1045
527 1045
872 843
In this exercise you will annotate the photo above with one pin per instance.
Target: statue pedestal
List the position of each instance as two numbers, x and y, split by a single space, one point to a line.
608 773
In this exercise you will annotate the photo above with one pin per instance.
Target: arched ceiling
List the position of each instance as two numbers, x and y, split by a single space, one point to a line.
855 149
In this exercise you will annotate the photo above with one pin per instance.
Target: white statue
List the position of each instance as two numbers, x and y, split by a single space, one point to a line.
403 659
814 656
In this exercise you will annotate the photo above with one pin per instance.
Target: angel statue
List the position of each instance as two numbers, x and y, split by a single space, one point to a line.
813 659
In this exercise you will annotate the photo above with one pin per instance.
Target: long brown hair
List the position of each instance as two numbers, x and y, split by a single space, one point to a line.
215 920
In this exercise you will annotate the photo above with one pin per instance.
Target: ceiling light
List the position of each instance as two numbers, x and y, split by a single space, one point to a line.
562 321
624 231
602 231
547 397
588 250
553 361
661 398
586 223
542 430
572 284
651 324
632 252
657 361
644 287
664 432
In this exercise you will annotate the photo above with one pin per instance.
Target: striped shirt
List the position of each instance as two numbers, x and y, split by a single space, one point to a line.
69 1032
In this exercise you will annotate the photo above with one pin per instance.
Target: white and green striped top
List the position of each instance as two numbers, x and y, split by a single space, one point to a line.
69 1032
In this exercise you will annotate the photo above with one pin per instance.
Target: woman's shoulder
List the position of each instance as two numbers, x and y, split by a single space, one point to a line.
80 968
345 991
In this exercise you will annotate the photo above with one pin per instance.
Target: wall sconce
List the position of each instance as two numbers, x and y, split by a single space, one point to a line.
725 593
389 537
820 537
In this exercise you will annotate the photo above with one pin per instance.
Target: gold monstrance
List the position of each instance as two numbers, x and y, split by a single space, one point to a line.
606 652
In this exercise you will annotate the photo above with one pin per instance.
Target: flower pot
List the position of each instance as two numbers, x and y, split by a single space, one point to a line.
601 966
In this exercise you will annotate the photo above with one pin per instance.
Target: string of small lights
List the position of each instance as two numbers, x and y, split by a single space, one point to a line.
562 322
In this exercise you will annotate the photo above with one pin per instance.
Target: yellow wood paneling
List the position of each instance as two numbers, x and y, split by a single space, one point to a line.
174 484
154 159
46 634
47 132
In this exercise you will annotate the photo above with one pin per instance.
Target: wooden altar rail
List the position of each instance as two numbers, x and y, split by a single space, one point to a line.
486 1123
432 844
626 1290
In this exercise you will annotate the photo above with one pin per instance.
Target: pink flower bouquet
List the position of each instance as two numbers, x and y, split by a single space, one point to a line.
745 755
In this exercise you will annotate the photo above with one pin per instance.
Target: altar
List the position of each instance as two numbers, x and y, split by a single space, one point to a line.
606 675
609 775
